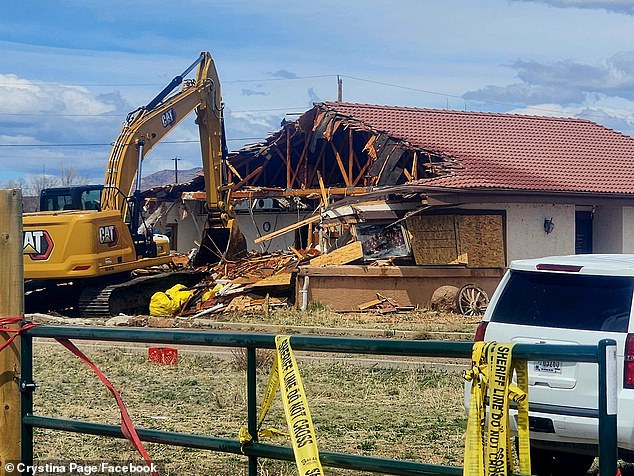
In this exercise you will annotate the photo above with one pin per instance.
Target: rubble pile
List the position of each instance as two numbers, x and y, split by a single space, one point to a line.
256 283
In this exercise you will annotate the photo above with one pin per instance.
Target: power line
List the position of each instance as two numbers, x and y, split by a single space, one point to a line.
408 88
454 96
115 85
94 144
380 83
46 114
235 81
110 144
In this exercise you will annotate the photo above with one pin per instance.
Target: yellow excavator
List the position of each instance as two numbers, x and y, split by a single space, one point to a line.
84 258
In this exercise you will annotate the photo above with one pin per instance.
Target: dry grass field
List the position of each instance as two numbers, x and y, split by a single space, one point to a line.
406 413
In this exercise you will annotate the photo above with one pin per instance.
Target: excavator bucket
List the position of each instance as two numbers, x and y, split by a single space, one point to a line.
221 244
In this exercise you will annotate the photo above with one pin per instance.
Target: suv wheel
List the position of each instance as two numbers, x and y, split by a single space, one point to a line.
551 463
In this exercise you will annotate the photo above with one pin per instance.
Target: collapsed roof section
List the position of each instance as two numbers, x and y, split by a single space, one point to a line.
325 149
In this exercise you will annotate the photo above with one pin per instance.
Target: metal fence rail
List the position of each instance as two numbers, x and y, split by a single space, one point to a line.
603 354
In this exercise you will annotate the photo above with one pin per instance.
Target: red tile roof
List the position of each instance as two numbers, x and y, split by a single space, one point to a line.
510 151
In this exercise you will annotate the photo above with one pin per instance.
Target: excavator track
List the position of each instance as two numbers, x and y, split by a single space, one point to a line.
130 297
94 301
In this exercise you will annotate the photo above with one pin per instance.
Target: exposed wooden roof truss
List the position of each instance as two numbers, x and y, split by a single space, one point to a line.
350 156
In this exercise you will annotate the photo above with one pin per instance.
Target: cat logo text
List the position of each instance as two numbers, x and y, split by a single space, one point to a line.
168 118
38 244
108 235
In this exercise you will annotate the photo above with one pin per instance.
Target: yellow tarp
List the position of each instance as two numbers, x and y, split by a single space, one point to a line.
168 303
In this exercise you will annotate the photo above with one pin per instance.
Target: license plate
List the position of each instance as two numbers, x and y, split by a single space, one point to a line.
547 366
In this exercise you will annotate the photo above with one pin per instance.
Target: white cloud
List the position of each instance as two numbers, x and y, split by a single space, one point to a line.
16 139
18 95
618 6
618 118
602 92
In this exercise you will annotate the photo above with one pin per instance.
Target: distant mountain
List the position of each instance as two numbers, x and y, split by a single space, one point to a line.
166 177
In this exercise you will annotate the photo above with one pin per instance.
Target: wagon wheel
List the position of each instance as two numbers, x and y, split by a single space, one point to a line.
471 300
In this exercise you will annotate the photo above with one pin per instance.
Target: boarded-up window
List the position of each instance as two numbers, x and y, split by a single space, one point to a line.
473 240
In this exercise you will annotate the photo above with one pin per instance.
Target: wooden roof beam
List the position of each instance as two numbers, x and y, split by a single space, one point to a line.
342 168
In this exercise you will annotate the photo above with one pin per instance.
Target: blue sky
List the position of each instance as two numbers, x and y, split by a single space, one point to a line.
72 70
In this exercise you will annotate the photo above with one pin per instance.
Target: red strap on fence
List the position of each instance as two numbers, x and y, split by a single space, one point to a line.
127 427
16 331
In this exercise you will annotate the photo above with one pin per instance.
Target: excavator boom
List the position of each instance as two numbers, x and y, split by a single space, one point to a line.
147 126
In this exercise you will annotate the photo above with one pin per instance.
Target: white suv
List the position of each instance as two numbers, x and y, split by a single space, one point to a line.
578 299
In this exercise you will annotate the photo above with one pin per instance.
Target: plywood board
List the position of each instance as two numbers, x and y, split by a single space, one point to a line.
346 254
433 239
473 240
280 279
481 238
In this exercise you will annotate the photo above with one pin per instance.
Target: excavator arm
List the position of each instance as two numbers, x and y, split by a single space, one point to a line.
148 125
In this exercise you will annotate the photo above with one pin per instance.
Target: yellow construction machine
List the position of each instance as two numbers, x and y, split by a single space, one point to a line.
84 258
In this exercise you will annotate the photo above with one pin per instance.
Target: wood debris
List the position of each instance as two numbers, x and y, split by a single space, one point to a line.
253 284
346 254
383 305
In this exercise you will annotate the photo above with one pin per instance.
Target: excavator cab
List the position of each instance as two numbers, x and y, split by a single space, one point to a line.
75 197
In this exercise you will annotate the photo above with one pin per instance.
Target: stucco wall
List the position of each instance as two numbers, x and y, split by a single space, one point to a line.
613 228
190 220
525 235
607 229
267 222
628 229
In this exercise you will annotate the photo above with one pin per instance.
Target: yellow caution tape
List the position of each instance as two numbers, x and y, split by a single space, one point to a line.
488 449
285 374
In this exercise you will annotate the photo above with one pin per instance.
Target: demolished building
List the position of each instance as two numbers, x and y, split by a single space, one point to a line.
436 197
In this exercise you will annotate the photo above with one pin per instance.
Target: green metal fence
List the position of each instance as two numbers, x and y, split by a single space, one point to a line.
604 354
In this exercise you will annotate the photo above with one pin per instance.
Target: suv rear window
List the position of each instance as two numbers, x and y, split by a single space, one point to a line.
571 301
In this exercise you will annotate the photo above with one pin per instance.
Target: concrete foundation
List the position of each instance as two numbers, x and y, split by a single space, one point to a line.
343 288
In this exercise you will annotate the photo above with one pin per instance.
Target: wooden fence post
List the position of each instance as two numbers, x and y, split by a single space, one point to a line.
11 305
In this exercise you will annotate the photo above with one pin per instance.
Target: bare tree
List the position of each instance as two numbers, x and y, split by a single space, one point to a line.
68 176
39 182
13 183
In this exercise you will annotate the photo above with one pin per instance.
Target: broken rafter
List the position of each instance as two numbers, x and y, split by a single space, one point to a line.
318 120
286 229
369 147
288 159
361 174
253 174
234 171
350 155
322 190
266 192
415 166
342 168
302 161
331 128
315 171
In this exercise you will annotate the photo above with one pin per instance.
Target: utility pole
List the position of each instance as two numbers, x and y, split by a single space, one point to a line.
176 159
339 89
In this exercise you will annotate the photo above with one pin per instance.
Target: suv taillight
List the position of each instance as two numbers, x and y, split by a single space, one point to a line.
628 364
481 329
